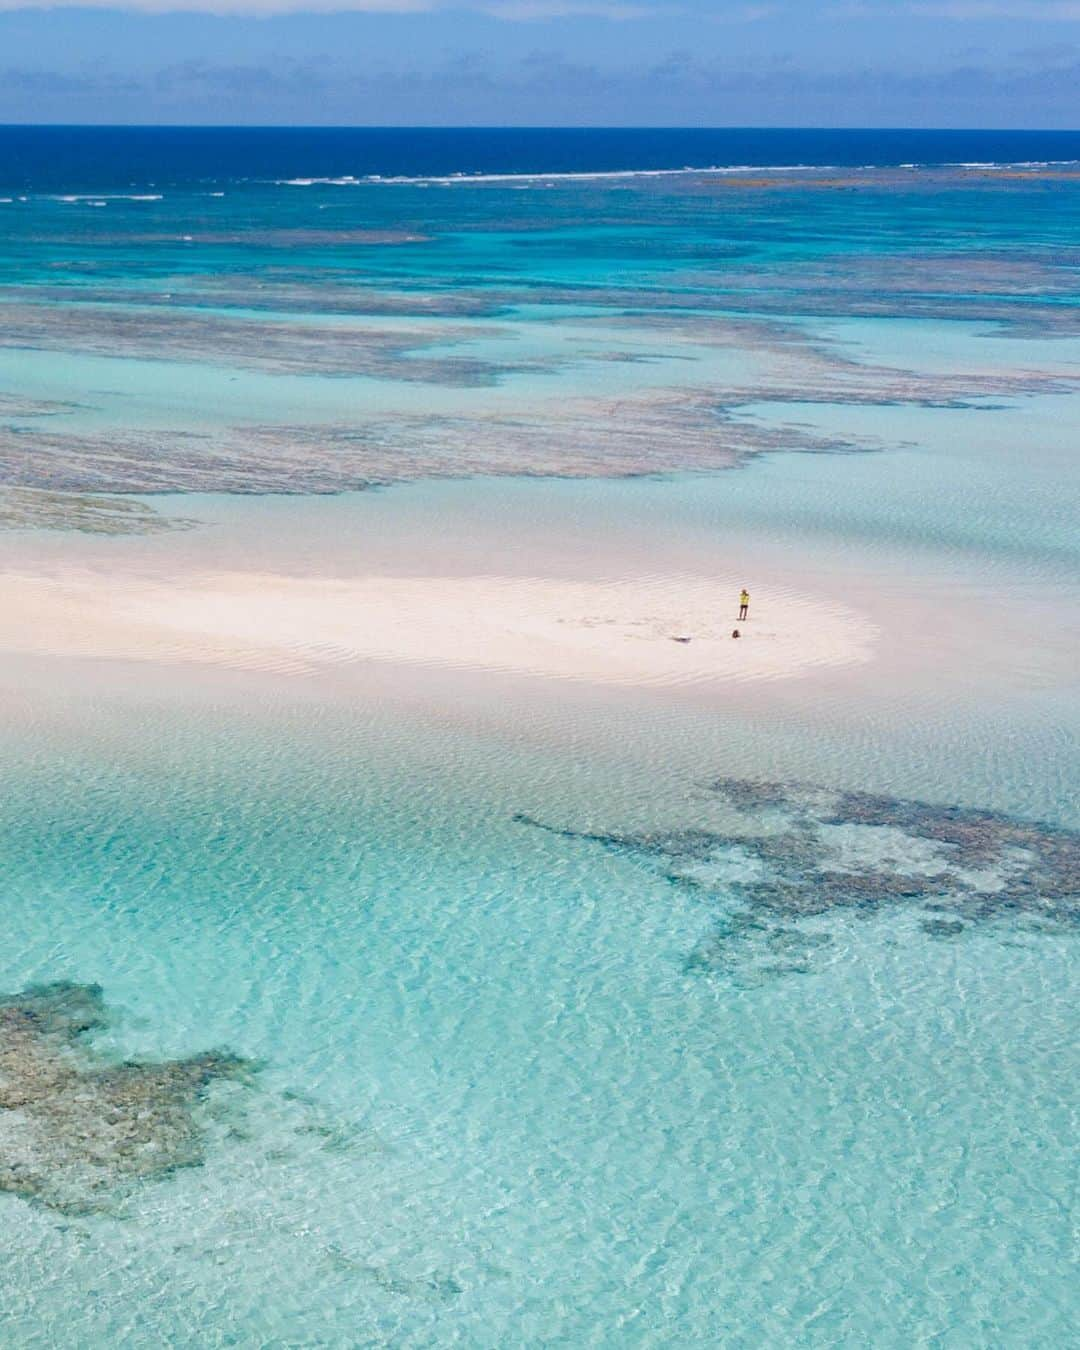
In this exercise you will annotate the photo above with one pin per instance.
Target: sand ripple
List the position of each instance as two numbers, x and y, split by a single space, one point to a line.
619 631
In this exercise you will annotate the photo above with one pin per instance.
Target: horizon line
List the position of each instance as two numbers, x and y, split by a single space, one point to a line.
530 127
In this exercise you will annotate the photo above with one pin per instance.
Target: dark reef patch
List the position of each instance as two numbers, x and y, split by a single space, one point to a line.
76 1129
279 346
687 421
652 433
788 856
89 513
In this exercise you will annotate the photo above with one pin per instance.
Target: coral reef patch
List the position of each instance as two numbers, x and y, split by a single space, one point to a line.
694 418
37 509
76 1129
789 856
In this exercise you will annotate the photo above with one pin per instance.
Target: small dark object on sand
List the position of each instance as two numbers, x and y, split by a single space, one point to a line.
680 639
735 633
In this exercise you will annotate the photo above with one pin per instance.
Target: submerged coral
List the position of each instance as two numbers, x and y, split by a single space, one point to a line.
74 1128
37 509
793 855
696 417
278 346
652 432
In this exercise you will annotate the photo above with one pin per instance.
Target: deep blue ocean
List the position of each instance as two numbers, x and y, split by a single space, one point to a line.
57 158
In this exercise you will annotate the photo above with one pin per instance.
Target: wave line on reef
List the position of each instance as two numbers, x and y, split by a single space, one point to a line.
462 178
578 176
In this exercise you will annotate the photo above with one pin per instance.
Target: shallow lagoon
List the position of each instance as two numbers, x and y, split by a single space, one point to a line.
498 1101
518 1069
500 1097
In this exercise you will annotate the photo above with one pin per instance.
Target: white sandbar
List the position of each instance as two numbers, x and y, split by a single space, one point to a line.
619 631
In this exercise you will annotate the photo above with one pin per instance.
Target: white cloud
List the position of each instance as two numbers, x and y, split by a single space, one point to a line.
1036 11
557 9
252 7
521 10
1030 11
718 11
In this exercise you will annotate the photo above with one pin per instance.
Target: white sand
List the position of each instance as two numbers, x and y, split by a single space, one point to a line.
604 632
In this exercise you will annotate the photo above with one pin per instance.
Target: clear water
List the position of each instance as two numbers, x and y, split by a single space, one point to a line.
525 1075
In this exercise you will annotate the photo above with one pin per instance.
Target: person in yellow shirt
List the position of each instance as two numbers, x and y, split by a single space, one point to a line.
744 603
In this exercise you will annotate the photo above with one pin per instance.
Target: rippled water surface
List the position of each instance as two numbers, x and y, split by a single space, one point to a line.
420 1006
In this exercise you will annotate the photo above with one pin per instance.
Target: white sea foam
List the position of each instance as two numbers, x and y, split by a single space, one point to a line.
97 198
1015 164
457 179
599 175
347 180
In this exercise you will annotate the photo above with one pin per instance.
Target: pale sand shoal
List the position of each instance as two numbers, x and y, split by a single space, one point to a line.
604 632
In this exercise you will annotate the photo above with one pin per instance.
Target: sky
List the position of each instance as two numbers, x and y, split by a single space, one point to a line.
912 63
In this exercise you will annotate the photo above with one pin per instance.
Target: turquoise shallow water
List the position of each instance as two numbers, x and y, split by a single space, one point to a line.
501 1097
561 1029
518 1114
